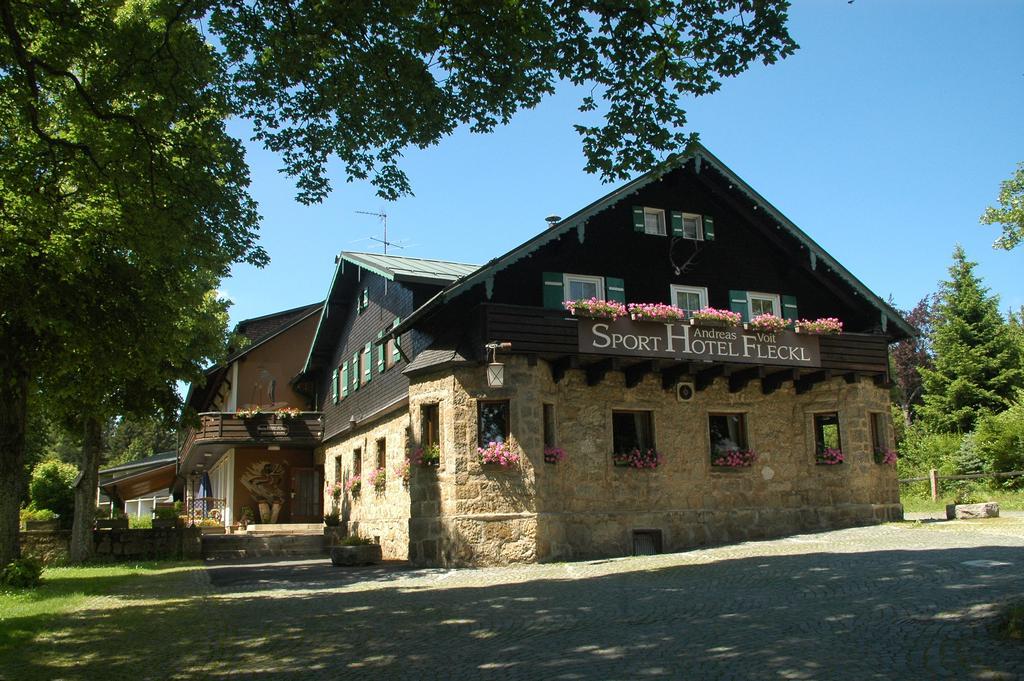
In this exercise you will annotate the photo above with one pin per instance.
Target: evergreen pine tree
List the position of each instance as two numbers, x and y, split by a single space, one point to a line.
977 361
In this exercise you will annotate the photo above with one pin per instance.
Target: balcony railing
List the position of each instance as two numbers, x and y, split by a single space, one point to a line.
553 333
228 428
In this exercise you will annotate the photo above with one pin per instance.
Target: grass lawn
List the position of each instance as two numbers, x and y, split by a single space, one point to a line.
1008 501
29 616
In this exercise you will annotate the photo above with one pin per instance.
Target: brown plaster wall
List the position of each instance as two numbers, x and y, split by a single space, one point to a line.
246 456
586 507
279 360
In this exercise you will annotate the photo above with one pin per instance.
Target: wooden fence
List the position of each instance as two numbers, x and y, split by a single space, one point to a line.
933 477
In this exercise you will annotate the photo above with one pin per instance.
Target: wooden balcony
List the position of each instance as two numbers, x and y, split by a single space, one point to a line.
219 431
555 336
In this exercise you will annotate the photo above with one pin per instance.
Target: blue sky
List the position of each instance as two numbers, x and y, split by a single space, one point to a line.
884 137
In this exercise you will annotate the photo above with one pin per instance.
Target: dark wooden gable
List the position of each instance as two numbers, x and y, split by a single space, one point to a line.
750 251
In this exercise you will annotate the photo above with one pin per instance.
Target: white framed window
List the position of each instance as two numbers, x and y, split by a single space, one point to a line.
689 298
764 303
693 227
654 221
583 287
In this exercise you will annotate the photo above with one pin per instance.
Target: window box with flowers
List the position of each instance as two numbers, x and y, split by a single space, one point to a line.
709 316
378 479
353 485
553 454
637 458
500 453
428 456
402 472
335 490
247 412
655 312
829 457
825 326
595 308
285 413
767 323
885 457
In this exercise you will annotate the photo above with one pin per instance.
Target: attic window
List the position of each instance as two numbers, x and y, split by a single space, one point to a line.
654 221
692 227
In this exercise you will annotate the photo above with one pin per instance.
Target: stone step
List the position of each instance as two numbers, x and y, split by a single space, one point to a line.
258 546
281 528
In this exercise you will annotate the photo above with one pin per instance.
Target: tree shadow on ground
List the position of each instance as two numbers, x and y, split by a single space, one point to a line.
907 614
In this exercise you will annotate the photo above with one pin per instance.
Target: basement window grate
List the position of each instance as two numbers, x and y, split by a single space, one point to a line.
646 542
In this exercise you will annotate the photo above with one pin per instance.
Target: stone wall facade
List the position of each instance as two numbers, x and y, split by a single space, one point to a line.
586 507
372 514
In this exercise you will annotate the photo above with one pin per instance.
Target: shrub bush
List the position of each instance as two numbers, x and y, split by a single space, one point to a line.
22 573
999 442
31 513
140 523
51 487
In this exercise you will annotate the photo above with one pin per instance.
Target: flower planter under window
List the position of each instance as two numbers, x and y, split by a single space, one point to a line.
637 459
553 454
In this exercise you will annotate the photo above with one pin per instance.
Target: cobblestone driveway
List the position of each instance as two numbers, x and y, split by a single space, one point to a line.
892 602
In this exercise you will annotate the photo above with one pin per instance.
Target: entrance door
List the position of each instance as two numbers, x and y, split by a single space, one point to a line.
306 499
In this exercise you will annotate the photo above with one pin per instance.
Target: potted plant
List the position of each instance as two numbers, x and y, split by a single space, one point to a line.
595 308
332 519
166 517
709 316
116 521
504 454
734 458
247 412
655 312
553 454
246 517
637 458
767 323
285 413
824 326
355 550
353 485
210 526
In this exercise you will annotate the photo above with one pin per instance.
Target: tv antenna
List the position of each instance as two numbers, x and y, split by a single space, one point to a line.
384 220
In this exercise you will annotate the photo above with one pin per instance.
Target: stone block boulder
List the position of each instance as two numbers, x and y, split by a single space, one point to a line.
989 509
344 556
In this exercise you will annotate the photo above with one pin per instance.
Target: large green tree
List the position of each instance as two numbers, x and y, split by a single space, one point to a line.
122 203
365 80
976 359
118 182
130 438
1010 212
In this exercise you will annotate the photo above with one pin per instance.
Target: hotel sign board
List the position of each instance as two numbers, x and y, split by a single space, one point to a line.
683 342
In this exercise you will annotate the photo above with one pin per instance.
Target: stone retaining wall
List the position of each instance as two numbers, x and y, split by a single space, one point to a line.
143 544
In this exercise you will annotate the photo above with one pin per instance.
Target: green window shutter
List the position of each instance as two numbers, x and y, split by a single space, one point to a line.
367 354
677 223
789 310
344 379
738 303
356 378
554 290
380 354
709 228
638 219
616 289
396 355
334 386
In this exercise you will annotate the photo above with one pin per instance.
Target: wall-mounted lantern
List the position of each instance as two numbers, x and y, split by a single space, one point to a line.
495 369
